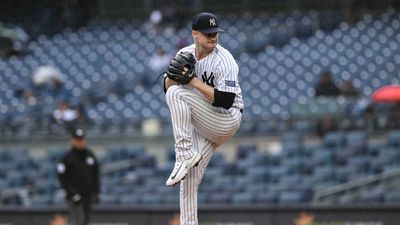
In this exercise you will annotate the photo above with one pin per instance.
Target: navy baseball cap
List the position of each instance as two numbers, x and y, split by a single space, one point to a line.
78 133
206 23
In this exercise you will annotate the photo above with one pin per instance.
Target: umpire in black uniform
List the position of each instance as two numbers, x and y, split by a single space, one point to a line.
78 173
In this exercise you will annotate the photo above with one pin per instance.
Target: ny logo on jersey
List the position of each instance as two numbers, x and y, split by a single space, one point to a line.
208 80
212 22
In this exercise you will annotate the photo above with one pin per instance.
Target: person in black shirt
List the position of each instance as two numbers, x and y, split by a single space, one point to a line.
326 86
78 173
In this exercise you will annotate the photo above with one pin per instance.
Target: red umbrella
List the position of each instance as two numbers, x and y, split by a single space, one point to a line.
390 93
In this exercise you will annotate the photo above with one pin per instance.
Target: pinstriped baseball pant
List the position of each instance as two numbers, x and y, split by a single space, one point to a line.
198 127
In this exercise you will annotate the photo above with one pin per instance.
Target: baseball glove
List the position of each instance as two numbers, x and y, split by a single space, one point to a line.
181 68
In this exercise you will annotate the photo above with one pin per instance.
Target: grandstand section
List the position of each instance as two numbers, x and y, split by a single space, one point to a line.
105 72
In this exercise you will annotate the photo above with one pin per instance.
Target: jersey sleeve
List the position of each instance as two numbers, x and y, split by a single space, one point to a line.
227 79
64 177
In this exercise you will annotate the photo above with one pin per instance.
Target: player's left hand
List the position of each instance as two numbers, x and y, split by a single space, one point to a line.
181 69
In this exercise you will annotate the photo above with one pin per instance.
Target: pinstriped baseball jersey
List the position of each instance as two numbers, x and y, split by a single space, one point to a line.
220 71
198 125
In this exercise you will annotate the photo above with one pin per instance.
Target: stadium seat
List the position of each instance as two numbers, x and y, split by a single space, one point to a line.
245 150
290 197
257 174
223 197
324 173
322 156
391 196
152 198
334 139
394 139
41 200
356 139
266 197
243 198
58 198
172 199
129 199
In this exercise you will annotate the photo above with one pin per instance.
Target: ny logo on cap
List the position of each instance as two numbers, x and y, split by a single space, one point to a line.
212 22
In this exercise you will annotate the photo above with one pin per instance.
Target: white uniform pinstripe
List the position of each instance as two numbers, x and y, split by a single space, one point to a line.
200 127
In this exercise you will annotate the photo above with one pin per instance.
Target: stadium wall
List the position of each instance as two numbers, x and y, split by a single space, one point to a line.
219 215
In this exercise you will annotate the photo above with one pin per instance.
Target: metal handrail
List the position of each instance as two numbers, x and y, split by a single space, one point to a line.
355 184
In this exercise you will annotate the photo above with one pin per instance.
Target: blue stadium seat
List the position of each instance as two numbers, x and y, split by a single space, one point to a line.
244 151
4 184
322 156
171 199
360 163
334 139
58 198
129 199
344 173
243 198
152 198
394 138
222 197
40 200
290 197
292 137
266 197
275 173
391 196
257 174
357 139
324 173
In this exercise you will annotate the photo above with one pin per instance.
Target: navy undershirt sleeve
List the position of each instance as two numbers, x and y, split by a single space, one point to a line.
223 99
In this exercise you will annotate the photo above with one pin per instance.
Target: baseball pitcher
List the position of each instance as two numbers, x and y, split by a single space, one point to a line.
205 102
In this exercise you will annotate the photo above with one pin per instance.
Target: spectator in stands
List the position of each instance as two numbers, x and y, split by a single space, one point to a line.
57 89
326 86
45 74
13 41
155 21
29 97
157 64
159 61
66 116
347 89
6 48
48 80
78 173
394 117
26 95
370 118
